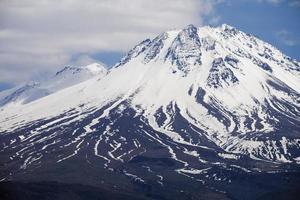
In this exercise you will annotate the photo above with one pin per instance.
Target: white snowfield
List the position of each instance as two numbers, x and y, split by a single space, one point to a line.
190 70
67 77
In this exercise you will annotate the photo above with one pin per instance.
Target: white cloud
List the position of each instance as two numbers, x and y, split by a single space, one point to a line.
82 60
275 2
295 3
43 35
286 38
214 20
292 3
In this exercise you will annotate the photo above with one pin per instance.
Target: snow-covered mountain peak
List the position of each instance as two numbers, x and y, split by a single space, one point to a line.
94 69
189 32
227 28
201 98
221 68
185 49
66 77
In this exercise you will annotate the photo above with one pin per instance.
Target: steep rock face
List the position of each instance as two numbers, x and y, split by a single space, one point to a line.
185 49
137 50
232 61
219 74
155 47
207 104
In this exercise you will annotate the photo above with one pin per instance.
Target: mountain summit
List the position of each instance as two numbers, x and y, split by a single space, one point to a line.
66 77
190 108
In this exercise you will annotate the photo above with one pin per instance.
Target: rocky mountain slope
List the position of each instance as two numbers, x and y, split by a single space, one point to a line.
192 110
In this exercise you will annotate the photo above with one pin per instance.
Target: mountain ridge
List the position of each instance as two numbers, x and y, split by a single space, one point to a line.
66 77
206 104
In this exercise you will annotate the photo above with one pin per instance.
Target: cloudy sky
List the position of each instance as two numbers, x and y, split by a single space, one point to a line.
40 37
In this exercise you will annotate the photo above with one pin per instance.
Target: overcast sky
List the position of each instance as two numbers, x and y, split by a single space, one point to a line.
39 36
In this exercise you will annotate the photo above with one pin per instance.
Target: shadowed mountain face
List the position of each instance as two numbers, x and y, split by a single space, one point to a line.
198 113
